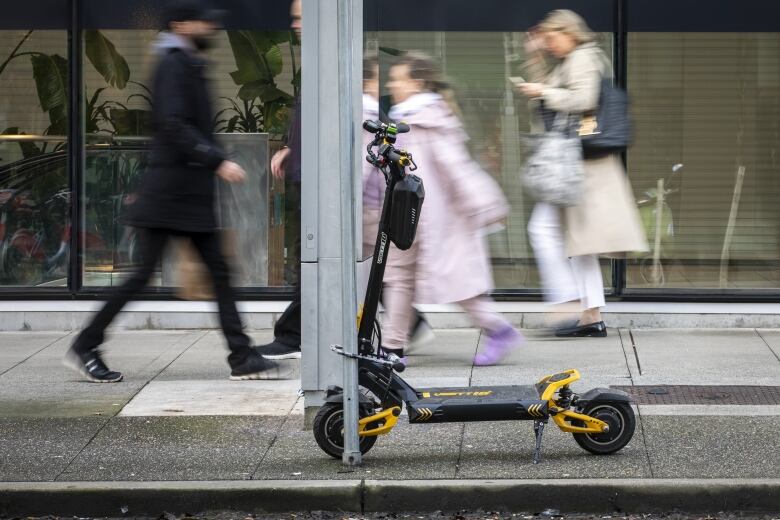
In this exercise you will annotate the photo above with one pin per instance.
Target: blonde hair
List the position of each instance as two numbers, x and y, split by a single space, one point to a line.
568 22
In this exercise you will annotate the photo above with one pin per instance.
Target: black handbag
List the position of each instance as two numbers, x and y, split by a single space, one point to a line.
408 197
609 128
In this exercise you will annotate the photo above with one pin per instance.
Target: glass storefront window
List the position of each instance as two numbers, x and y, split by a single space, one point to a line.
704 165
254 78
477 66
34 196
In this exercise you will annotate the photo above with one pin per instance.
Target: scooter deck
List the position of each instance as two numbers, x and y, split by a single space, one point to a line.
480 403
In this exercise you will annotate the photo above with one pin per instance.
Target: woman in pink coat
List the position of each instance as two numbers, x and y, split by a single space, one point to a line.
448 262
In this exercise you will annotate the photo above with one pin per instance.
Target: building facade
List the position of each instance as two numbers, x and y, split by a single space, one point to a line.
705 165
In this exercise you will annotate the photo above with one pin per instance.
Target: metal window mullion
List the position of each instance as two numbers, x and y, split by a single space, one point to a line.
75 144
620 68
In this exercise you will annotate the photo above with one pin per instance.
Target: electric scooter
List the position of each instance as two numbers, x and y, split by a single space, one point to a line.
601 420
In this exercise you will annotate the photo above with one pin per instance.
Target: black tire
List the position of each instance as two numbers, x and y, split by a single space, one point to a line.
621 420
329 431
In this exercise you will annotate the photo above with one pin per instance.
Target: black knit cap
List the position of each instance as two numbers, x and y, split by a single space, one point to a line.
191 10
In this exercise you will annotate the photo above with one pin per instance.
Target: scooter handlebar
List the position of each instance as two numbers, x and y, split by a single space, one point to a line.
398 365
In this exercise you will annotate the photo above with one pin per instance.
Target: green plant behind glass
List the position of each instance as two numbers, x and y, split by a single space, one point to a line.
259 106
50 73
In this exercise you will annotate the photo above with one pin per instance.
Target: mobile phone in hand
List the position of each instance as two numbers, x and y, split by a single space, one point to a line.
517 80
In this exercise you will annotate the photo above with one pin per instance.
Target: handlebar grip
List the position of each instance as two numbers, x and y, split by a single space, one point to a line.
398 365
372 126
402 128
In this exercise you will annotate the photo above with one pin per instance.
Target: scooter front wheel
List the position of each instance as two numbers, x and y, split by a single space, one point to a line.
621 420
329 431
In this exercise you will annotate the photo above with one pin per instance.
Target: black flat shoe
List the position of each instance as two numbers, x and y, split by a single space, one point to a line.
592 330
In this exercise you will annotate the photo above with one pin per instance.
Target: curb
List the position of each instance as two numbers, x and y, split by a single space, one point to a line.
115 499
270 496
578 495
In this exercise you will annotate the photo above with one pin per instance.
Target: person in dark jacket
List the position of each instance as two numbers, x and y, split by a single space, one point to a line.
286 164
176 195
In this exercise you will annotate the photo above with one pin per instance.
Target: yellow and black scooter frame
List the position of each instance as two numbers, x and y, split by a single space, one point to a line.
550 398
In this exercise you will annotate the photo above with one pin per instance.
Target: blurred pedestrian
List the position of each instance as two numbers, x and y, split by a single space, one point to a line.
420 332
176 196
448 263
286 164
565 67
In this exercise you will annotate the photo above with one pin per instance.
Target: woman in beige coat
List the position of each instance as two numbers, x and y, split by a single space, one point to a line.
567 242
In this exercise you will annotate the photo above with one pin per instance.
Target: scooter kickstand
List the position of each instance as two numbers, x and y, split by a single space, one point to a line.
538 430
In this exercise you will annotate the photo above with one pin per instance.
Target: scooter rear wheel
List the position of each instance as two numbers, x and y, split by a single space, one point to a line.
621 420
329 431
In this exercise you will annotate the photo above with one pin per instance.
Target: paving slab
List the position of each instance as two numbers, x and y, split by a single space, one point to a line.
210 397
449 355
38 449
15 347
713 447
175 448
504 450
601 362
43 387
703 357
426 452
207 359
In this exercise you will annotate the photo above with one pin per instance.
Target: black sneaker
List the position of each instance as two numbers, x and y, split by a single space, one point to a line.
90 365
278 350
257 367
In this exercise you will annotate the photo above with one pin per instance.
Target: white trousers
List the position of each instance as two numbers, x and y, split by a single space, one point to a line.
563 279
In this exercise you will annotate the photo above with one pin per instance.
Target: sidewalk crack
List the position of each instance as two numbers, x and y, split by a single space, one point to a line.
767 344
625 356
108 420
639 418
274 439
4 372
476 349
463 426
460 449
86 445
149 380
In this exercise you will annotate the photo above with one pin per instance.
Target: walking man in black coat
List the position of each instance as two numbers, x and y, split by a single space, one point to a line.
176 196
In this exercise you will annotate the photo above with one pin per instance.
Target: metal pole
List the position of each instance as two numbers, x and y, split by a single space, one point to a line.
352 455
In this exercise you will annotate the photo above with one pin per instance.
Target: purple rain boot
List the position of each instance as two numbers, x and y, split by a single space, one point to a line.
499 344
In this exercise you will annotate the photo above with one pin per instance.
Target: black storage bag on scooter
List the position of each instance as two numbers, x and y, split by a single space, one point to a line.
408 196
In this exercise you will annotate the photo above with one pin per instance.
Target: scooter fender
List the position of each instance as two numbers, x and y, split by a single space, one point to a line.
604 395
335 394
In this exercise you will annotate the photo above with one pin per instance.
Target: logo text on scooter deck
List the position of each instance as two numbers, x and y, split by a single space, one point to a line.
483 393
382 244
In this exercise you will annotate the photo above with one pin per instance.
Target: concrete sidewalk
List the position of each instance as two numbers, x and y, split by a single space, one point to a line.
176 418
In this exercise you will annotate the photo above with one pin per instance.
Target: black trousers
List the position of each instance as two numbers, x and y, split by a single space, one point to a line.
288 328
152 242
